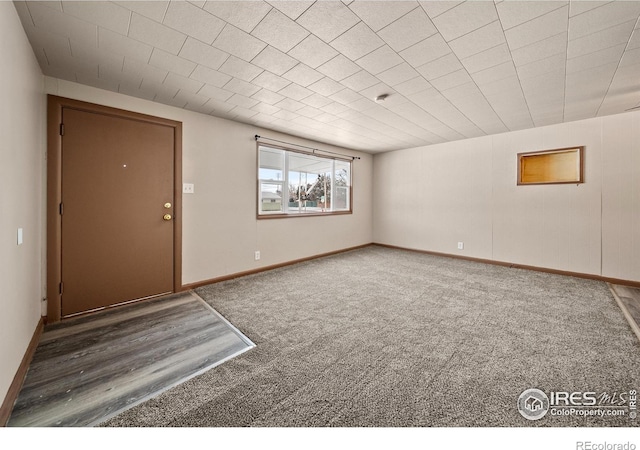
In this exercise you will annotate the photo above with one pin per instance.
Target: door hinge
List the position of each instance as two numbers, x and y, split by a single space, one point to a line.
61 129
61 209
61 288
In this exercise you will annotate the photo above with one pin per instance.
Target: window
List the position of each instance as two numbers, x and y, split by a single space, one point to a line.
564 165
293 183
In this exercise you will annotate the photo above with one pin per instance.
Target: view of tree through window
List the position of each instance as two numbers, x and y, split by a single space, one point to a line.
299 183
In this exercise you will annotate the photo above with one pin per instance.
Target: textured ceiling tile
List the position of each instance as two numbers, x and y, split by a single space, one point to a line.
242 113
219 108
538 29
357 42
600 40
579 7
238 68
242 14
326 87
360 80
313 52
203 54
378 14
441 66
183 83
604 17
398 74
241 87
309 111
265 108
210 76
167 61
58 23
267 96
413 86
335 108
408 30
274 61
317 101
41 38
270 81
295 91
345 97
465 18
286 114
630 57
489 58
541 67
425 51
100 83
595 59
302 75
105 14
465 90
191 20
117 43
291 8
339 68
290 105
380 60
435 8
238 43
540 50
478 41
451 80
215 93
135 91
516 13
241 100
134 69
158 35
154 10
91 54
494 73
278 30
328 19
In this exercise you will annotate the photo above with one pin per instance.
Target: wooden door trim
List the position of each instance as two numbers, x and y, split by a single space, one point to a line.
55 106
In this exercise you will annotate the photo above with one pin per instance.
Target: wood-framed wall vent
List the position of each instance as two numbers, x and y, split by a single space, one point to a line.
557 166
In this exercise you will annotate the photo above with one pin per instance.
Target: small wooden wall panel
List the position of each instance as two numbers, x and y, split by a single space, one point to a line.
551 166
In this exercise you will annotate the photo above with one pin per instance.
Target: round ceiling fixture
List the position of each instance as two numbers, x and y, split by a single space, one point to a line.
381 98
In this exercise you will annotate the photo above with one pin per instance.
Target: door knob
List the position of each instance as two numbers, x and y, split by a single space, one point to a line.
167 205
167 217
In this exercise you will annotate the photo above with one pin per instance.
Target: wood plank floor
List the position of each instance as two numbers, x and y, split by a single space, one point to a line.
629 299
89 369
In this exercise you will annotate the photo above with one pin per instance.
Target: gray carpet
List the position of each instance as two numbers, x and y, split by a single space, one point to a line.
378 337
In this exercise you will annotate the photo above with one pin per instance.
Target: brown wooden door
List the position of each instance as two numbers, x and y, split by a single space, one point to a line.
117 184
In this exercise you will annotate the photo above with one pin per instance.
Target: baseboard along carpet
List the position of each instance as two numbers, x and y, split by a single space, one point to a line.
88 369
381 337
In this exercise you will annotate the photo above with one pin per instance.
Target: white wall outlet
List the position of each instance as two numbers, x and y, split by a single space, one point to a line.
187 188
460 245
257 255
20 236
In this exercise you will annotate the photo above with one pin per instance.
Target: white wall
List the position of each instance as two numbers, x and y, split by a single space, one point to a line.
430 198
220 229
21 192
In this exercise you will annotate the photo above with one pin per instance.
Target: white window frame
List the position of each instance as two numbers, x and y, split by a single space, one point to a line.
300 211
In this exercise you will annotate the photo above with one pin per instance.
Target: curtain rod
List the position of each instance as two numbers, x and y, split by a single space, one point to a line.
304 146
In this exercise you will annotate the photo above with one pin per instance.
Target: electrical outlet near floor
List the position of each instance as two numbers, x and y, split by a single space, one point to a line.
460 245
257 255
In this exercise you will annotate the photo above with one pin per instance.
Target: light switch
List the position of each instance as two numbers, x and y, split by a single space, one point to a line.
187 188
19 236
